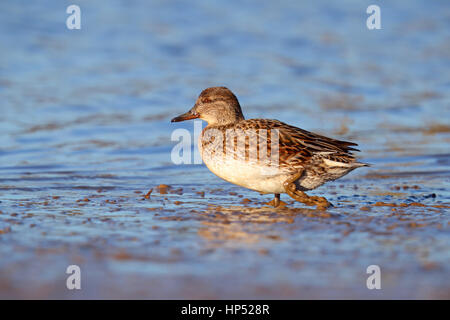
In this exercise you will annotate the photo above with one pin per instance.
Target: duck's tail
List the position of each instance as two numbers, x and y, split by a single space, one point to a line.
361 164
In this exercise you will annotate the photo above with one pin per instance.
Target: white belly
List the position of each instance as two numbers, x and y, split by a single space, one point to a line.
264 179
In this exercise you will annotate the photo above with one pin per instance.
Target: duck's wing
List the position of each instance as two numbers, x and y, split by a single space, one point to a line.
298 146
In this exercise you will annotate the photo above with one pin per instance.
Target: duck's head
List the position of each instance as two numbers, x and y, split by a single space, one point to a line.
216 105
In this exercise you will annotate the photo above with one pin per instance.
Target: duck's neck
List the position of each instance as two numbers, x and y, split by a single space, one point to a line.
226 121
217 124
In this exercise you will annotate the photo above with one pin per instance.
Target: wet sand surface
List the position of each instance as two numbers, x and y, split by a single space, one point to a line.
85 135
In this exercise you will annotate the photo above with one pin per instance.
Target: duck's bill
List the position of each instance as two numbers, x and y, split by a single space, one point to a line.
186 116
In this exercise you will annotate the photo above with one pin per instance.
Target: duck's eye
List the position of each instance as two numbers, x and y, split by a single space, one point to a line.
206 100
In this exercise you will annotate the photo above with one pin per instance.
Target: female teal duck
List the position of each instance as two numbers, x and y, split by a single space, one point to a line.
266 155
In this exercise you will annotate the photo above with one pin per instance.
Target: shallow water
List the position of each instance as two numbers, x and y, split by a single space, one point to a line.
85 134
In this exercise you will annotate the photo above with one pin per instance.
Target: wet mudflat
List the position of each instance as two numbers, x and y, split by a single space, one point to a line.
85 135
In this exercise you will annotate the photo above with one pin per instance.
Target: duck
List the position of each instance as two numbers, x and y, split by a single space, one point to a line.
267 155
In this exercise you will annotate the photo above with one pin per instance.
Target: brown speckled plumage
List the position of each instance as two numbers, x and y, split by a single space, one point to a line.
305 160
296 146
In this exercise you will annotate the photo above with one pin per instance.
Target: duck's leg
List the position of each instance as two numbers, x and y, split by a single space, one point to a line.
276 201
294 193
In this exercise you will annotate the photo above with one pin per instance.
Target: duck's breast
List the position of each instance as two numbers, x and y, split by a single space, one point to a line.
259 178
249 174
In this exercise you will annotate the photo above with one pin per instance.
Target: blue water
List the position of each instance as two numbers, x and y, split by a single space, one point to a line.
86 114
